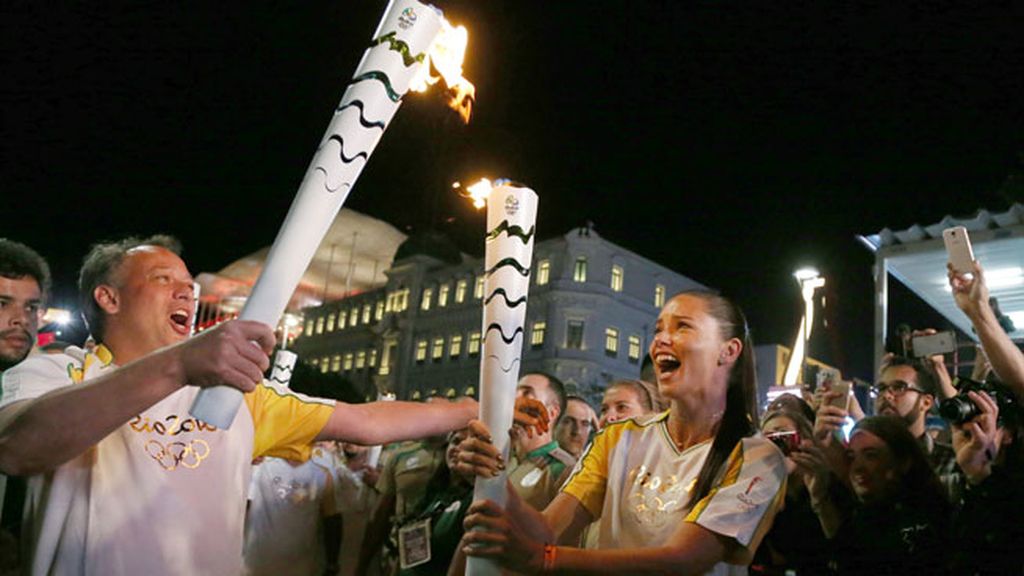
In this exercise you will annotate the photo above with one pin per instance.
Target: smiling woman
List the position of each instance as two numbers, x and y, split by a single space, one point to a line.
686 491
901 522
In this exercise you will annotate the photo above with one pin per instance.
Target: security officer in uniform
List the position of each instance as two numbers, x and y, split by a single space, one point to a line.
539 467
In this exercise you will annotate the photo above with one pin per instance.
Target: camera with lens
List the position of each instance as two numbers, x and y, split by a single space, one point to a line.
960 408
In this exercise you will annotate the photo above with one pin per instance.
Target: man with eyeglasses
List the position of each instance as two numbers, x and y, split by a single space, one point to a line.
907 390
574 428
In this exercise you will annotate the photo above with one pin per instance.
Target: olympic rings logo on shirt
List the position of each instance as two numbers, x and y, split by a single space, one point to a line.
188 454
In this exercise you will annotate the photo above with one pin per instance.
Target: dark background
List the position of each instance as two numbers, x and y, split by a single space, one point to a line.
730 141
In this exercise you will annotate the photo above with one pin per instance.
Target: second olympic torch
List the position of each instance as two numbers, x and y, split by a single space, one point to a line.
511 217
398 50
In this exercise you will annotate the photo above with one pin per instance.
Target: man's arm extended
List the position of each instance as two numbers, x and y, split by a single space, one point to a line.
386 422
39 434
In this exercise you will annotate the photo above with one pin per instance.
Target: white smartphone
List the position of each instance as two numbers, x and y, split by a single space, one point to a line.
933 344
958 248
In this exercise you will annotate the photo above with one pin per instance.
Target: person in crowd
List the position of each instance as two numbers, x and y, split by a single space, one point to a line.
900 521
624 399
108 433
284 524
970 291
402 487
791 403
576 425
430 535
906 390
795 544
688 491
538 466
24 285
988 530
357 497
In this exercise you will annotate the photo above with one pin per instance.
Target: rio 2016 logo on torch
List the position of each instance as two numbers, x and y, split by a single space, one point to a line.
407 19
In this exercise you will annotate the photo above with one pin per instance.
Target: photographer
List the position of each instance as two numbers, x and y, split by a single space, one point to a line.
971 295
987 526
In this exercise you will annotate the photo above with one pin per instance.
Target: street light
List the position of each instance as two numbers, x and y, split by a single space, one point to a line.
810 280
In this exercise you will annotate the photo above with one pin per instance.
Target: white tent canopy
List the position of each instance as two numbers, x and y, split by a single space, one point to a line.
916 256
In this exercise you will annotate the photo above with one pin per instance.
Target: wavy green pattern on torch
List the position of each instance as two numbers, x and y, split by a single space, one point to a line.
509 262
399 46
383 79
513 230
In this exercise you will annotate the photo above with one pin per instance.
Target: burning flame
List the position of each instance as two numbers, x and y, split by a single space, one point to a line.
446 55
477 192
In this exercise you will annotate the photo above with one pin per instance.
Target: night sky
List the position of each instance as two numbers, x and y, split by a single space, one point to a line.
730 141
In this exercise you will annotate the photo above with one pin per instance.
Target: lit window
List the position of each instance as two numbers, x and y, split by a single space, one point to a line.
330 322
437 350
617 278
537 333
378 311
309 327
574 334
428 293
336 363
341 320
385 358
659 295
325 364
421 350
579 271
320 325
367 310
348 361
353 317
460 291
611 341
455 345
360 359
314 362
478 288
474 343
634 348
402 300
442 294
543 272
372 360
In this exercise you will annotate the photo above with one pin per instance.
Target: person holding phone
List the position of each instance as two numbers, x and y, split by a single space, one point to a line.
796 542
690 490
970 292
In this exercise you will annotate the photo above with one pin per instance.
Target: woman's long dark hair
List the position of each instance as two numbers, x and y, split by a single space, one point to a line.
740 418
919 485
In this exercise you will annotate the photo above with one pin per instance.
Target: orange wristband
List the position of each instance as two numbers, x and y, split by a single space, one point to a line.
550 550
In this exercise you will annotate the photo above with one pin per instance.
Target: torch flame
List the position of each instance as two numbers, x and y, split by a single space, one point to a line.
446 55
478 193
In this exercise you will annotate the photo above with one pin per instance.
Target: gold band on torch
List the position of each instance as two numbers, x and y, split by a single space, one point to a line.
398 49
511 218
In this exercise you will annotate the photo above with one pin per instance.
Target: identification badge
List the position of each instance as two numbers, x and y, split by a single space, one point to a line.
414 544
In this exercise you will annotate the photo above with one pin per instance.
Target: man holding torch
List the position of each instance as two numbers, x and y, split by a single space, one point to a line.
109 430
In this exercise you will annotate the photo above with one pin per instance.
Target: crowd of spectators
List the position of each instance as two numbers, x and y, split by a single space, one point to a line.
675 472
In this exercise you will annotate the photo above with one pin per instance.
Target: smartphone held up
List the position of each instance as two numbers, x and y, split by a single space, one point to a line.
958 248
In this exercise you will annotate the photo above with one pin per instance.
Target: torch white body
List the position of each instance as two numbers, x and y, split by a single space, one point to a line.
284 364
371 100
511 214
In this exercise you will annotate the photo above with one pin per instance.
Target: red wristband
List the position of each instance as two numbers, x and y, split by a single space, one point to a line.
550 551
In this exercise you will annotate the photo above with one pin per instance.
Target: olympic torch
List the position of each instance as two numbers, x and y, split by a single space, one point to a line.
393 61
511 217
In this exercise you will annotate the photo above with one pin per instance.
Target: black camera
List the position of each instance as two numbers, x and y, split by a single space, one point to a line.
960 408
